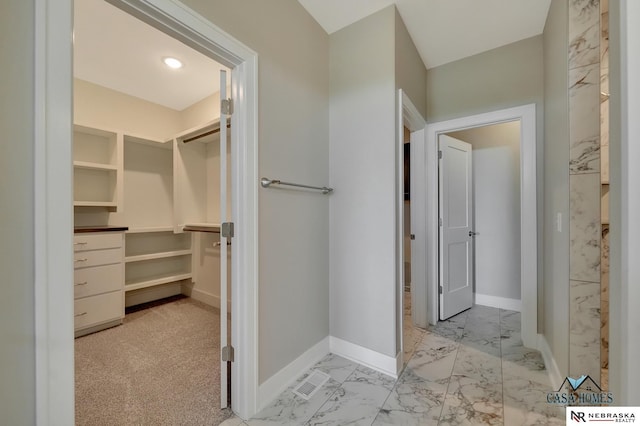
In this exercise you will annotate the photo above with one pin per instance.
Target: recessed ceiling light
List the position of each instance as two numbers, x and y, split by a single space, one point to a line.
172 62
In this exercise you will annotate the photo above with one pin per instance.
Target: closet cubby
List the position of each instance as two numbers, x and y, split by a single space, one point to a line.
97 167
148 183
156 271
156 258
147 245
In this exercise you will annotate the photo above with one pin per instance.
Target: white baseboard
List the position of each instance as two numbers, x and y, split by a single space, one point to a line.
204 297
550 362
499 302
372 359
150 294
284 378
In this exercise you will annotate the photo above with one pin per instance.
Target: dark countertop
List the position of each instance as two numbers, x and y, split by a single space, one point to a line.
87 229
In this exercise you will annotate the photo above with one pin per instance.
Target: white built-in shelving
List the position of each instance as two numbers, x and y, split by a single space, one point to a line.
155 188
197 176
155 255
97 165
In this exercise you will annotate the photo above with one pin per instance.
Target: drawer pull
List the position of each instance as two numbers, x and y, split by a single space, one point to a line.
82 283
80 315
81 260
84 243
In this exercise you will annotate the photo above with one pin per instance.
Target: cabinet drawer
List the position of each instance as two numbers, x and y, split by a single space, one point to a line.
85 242
96 280
85 259
93 310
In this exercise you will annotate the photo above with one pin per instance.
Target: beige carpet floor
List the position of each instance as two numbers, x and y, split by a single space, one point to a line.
158 368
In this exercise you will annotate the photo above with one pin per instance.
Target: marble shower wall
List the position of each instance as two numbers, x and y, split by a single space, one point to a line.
584 183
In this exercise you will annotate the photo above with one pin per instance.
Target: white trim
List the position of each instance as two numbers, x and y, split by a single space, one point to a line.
144 295
498 302
284 378
624 346
549 362
204 297
53 215
54 228
380 362
528 207
409 116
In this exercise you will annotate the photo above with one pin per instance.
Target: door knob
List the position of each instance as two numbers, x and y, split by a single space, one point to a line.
472 234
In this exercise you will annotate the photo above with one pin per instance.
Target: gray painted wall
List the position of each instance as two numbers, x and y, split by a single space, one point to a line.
505 77
369 60
411 77
293 146
556 184
411 74
362 147
17 327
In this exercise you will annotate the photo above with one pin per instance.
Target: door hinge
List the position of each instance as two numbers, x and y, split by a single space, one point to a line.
227 230
440 289
440 155
227 354
226 106
413 237
440 222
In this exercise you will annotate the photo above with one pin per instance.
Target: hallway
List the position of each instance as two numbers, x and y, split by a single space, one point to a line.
469 370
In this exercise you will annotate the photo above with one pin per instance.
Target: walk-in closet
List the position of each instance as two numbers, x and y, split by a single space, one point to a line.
149 203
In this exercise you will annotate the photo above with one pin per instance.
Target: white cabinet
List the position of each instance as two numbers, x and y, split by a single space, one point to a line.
98 280
97 168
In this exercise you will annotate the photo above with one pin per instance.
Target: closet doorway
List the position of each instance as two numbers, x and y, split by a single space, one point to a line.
410 211
526 116
150 155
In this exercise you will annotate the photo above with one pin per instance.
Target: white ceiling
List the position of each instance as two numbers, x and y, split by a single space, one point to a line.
115 50
444 30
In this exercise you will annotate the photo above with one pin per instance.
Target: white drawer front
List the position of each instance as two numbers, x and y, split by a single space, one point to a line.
83 242
85 259
94 310
96 280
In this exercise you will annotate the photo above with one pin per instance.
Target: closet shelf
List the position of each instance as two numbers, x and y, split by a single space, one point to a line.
161 255
149 141
154 281
202 227
150 229
95 204
94 166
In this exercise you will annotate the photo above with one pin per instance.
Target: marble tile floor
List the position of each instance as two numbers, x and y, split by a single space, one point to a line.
469 370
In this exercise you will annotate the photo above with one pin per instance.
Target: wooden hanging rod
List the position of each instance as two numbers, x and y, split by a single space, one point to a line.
210 132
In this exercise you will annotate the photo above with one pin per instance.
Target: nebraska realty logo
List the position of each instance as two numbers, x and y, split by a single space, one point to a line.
581 391
577 415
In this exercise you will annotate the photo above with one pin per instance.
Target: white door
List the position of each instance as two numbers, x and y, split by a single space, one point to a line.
456 227
224 338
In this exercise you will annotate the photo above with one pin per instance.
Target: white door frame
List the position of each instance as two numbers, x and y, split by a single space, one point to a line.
528 206
53 189
409 116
